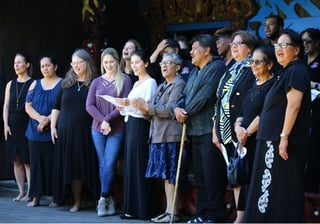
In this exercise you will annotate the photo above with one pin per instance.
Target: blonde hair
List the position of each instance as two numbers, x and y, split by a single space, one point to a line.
120 76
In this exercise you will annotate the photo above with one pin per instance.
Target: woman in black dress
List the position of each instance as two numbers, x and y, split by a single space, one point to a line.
311 42
246 126
276 191
75 165
15 121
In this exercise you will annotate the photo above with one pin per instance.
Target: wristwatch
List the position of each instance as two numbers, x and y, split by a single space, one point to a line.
316 86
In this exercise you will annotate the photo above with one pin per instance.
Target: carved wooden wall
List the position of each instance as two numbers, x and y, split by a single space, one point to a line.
159 13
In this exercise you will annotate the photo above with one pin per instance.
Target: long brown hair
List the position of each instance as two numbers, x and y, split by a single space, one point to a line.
71 77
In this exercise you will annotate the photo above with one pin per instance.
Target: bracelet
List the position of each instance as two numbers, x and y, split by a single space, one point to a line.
283 135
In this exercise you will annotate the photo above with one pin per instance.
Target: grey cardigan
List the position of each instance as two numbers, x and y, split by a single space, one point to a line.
164 128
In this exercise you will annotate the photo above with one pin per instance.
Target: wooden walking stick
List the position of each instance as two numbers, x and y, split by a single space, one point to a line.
176 186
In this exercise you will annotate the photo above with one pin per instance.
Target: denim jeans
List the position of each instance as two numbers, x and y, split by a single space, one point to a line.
108 148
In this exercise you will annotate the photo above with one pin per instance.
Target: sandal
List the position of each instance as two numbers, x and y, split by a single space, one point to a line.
166 218
159 217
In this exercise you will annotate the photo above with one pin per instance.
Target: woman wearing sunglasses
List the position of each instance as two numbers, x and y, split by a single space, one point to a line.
311 43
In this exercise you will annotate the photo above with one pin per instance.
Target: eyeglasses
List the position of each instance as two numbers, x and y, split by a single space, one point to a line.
282 45
167 63
238 43
76 63
307 40
256 62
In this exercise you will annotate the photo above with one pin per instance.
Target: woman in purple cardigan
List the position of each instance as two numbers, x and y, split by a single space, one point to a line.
108 125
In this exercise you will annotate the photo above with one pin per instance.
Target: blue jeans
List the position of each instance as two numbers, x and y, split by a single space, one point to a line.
108 148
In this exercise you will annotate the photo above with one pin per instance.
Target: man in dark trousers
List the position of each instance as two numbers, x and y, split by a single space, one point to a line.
195 108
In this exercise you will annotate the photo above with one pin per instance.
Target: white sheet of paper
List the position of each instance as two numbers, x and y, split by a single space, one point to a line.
314 94
224 153
110 99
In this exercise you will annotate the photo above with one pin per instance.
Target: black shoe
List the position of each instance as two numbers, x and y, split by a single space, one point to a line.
209 220
126 216
196 220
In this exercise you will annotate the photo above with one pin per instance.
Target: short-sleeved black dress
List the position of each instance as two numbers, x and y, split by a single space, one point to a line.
75 156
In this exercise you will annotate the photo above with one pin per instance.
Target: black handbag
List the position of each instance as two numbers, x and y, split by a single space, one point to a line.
238 169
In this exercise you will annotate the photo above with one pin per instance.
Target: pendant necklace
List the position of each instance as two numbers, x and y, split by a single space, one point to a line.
18 93
79 86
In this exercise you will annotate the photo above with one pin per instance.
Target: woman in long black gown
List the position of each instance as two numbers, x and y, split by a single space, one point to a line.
75 165
276 191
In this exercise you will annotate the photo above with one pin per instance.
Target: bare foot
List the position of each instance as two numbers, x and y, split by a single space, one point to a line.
75 208
26 198
35 202
18 198
53 205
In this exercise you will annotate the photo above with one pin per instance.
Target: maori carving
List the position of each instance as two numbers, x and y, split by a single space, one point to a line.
159 13
93 14
297 14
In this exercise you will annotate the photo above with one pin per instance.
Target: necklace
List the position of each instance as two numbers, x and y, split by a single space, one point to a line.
18 93
79 86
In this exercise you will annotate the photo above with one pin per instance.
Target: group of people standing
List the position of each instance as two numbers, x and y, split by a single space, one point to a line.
258 96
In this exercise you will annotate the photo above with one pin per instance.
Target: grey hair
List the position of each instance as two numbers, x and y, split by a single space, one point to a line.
176 58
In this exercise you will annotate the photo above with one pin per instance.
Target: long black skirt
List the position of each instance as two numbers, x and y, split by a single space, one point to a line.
41 168
137 197
276 191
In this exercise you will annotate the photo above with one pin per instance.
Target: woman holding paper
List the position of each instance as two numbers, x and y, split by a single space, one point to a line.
108 125
137 191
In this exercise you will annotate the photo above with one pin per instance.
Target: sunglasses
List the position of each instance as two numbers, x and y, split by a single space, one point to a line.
307 40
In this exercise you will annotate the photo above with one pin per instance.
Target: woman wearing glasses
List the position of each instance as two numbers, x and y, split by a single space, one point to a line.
231 92
75 165
165 132
276 192
262 64
311 42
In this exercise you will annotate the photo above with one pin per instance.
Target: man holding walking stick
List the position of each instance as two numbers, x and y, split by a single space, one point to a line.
195 108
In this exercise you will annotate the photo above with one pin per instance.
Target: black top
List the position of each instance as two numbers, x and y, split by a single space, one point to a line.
314 69
253 102
293 75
